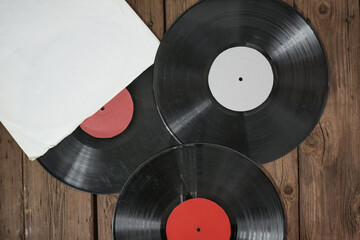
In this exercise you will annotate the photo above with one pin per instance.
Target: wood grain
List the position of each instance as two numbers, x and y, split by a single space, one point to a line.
330 157
174 8
284 175
105 213
322 176
152 13
11 188
52 210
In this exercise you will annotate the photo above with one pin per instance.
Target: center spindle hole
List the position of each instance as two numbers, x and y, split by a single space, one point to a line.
241 79
198 229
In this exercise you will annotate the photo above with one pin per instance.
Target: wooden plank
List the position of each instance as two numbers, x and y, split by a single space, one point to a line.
174 8
330 157
105 211
11 188
284 175
152 13
54 210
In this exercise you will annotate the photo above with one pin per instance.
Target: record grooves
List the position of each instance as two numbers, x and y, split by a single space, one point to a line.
249 75
102 166
237 83
214 192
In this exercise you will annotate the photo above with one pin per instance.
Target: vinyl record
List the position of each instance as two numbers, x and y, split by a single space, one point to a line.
199 191
102 164
249 75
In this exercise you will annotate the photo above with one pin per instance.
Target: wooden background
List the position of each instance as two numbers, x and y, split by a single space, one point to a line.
319 182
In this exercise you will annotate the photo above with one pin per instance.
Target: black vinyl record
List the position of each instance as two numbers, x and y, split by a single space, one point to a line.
103 165
296 58
162 191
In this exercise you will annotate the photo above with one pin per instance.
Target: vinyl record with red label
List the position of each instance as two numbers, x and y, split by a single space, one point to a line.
249 75
101 154
199 192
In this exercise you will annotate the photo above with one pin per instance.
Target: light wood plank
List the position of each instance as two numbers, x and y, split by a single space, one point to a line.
330 157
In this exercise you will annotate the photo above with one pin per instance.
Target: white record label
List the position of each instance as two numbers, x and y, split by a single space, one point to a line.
241 79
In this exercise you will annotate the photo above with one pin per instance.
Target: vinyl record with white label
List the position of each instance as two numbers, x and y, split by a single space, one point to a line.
101 154
249 75
202 192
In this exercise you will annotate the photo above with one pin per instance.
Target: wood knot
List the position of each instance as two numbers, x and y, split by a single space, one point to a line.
355 213
323 9
355 219
151 23
349 19
316 141
288 190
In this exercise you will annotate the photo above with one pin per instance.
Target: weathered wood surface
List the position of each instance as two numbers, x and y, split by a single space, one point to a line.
329 160
33 205
53 210
11 188
284 175
152 13
319 182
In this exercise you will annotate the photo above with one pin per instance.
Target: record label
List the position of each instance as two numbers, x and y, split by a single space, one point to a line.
241 78
91 160
112 119
198 219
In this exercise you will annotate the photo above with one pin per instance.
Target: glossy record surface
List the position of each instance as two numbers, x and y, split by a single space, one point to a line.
205 171
273 28
103 165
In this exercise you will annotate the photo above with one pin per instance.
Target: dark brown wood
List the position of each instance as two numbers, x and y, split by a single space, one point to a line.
152 13
330 157
53 210
174 8
11 188
33 205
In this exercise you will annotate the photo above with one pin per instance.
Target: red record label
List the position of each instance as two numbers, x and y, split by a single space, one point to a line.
112 119
198 219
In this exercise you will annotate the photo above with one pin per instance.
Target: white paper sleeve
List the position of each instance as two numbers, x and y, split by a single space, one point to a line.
60 61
